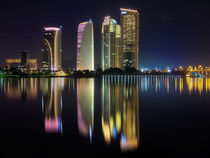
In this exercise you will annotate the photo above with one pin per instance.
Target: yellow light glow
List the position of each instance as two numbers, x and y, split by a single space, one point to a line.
129 10
49 46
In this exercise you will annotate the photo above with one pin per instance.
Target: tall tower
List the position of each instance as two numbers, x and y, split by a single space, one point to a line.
118 55
109 41
85 46
129 20
52 49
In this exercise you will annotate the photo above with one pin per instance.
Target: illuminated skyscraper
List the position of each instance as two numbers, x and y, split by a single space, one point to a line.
85 107
118 53
110 43
85 46
52 49
129 20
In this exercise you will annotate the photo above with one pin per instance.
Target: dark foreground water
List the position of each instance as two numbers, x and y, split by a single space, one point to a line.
131 117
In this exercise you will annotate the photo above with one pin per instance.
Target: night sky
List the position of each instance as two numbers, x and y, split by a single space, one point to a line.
172 33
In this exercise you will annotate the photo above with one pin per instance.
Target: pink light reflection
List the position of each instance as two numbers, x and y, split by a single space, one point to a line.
51 125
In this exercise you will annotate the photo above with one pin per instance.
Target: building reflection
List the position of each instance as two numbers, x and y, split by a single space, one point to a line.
20 88
120 112
85 107
198 85
171 84
52 104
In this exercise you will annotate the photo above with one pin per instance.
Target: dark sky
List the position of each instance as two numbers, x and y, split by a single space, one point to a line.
172 33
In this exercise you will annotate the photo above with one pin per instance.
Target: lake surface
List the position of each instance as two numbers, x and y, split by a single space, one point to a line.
167 116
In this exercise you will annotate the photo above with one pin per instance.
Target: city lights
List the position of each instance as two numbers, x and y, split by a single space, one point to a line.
88 79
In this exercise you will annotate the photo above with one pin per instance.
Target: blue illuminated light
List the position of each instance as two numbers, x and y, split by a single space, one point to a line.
124 12
42 104
59 124
123 140
90 133
115 132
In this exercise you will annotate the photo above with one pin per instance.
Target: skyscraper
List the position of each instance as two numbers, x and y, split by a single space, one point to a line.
118 53
110 43
85 46
52 49
129 20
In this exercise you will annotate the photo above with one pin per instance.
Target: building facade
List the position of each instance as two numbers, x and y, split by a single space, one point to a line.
118 55
52 49
110 43
129 20
85 46
23 63
16 63
24 56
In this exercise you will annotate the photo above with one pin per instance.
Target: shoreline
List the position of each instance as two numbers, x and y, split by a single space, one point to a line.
97 76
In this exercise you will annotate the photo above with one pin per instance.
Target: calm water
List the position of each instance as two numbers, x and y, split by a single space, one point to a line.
136 116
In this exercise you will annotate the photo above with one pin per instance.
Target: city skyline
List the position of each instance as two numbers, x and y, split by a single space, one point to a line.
167 37
129 78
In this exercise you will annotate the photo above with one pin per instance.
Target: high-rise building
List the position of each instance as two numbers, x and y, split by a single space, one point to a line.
110 43
118 55
129 20
52 49
85 46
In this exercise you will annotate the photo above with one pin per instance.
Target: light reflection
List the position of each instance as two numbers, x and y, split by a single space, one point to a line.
85 107
120 112
119 118
52 104
23 88
171 84
180 85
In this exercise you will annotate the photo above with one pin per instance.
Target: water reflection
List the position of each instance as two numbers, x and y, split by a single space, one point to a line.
23 88
118 123
120 112
171 84
85 107
52 104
